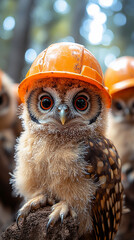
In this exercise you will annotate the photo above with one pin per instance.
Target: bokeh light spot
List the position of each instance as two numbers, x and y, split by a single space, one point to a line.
108 36
9 23
109 58
94 12
117 6
101 17
86 25
30 55
115 50
61 6
92 9
106 3
120 19
95 34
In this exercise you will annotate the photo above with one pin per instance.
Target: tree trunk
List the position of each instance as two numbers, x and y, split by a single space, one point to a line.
34 228
20 39
77 18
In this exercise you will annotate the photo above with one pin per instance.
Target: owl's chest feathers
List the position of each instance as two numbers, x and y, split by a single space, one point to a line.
65 160
62 171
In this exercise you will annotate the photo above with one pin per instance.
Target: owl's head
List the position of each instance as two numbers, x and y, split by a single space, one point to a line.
63 93
119 78
123 106
8 102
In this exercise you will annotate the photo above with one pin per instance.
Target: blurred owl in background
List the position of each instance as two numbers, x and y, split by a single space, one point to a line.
119 78
62 156
9 129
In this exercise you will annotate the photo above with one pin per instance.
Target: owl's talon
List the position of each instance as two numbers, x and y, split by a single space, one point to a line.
17 222
62 217
19 216
60 211
53 208
33 204
49 222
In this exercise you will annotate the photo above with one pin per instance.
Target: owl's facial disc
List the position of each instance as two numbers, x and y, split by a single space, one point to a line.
63 108
123 106
123 111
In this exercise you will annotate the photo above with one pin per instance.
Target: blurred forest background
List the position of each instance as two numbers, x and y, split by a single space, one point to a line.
105 27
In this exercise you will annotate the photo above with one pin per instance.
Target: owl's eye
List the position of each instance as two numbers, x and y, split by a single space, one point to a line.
132 108
4 100
1 100
118 106
81 103
46 102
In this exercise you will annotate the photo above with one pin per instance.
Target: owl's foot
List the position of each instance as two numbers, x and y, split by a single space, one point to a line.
60 210
33 204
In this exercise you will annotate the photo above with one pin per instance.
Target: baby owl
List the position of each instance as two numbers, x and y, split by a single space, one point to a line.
8 120
119 78
62 156
8 102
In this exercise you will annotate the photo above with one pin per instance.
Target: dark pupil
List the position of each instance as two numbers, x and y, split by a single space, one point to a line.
80 103
1 100
46 102
118 106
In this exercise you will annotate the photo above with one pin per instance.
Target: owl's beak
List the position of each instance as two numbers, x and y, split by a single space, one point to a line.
63 110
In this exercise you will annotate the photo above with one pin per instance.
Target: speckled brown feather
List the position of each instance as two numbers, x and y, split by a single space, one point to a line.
107 205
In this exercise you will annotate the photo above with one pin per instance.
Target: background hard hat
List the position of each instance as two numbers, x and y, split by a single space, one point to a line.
120 74
64 60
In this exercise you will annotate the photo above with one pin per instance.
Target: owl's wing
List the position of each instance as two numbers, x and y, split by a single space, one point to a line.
104 167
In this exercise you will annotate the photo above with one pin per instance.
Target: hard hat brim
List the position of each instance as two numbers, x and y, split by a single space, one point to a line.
117 87
37 80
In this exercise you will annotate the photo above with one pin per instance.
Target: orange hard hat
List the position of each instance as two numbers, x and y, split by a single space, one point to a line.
65 60
120 74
